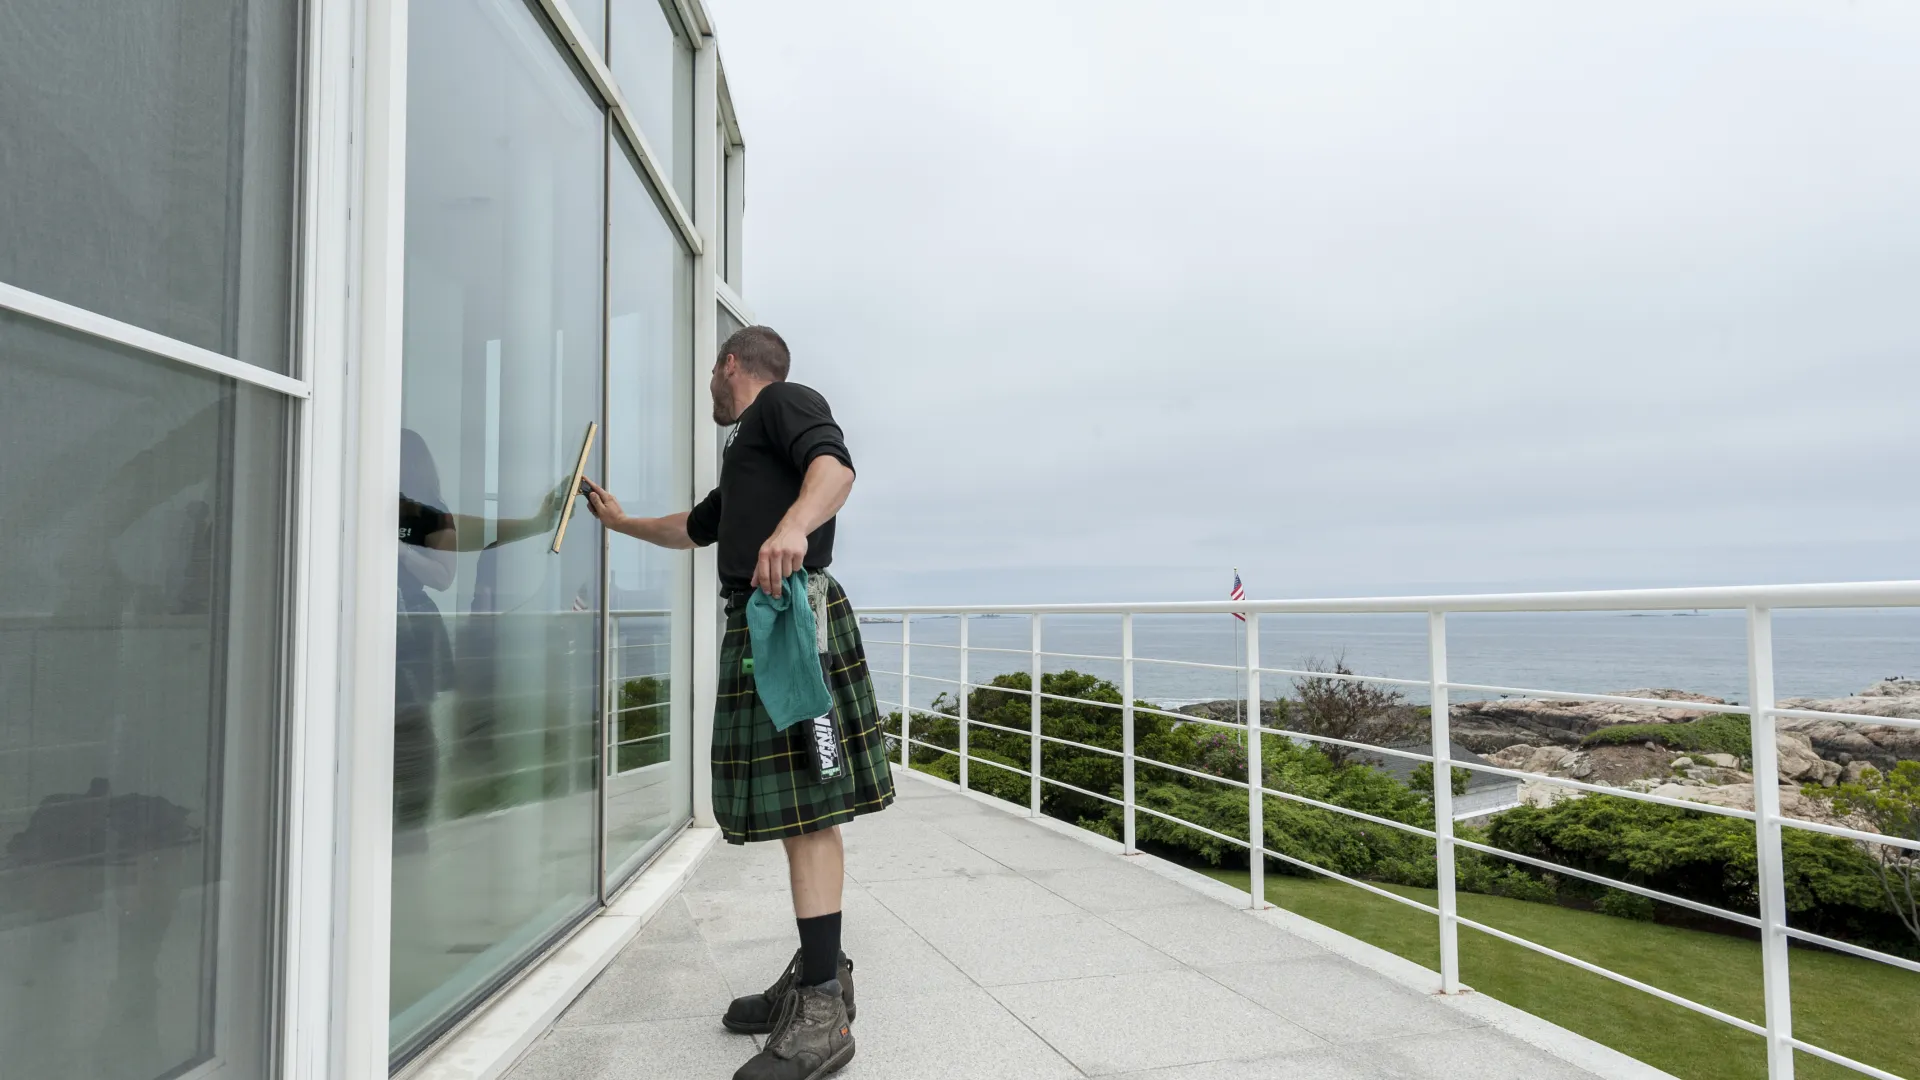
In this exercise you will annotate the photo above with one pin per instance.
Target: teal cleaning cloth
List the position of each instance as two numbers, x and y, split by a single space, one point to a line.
786 656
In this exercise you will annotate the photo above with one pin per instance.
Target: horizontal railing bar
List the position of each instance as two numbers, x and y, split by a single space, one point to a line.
921 711
1608 973
1851 834
1409 755
871 670
1171 715
934 746
1002 689
1025 733
1857 950
1717 598
1600 789
1084 656
1340 677
1605 699
1350 812
1190 663
643 738
983 648
1845 718
1079 746
1844 1061
1355 882
920 644
1602 879
1144 809
627 709
997 765
1227 780
1081 701
935 678
1082 791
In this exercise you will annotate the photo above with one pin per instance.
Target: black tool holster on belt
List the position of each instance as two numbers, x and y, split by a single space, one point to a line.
825 754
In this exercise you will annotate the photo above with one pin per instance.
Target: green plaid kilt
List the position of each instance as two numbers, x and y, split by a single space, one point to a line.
763 787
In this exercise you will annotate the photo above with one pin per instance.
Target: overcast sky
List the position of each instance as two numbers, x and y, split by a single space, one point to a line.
1112 297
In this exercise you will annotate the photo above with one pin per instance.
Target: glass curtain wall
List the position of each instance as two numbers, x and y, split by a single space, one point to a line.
541 733
496 667
649 464
147 175
655 70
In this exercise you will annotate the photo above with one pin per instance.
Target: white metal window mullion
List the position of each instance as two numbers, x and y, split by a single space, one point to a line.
48 310
725 294
609 90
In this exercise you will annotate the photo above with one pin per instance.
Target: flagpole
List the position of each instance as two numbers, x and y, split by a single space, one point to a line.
1239 652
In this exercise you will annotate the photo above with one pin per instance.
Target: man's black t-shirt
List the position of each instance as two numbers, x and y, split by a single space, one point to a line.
779 435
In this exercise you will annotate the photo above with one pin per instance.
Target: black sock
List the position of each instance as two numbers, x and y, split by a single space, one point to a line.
819 949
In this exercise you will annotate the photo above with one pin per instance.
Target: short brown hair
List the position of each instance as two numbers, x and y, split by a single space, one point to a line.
761 351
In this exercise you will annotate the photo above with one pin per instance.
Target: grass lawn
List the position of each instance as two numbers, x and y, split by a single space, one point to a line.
1859 1008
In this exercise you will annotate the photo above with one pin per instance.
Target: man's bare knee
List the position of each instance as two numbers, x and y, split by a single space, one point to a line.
807 841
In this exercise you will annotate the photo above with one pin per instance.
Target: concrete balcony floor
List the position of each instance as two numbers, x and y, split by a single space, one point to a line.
987 945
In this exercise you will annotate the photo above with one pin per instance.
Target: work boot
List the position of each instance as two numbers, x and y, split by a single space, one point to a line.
753 1014
812 1037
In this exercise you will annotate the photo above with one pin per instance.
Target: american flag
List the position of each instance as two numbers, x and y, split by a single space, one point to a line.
1238 593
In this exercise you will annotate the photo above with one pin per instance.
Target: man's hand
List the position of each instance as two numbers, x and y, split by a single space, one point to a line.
783 553
604 505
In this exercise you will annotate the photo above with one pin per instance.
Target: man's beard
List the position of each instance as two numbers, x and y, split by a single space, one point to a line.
723 413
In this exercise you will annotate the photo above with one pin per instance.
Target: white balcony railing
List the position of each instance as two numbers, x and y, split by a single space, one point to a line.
1758 604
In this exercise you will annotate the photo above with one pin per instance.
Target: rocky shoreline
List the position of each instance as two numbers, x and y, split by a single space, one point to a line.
1548 738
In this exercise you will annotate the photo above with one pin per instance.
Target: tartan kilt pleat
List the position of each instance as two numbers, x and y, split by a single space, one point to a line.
763 788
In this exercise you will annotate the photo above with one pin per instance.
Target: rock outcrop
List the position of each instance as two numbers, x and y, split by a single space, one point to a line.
1488 726
1845 742
1799 764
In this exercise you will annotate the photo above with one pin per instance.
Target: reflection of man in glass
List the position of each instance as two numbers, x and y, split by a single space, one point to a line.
430 536
784 476
423 656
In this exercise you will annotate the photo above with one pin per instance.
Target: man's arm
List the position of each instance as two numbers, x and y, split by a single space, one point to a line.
823 492
666 532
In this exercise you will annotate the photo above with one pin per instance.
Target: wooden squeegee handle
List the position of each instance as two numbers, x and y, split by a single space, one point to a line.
573 486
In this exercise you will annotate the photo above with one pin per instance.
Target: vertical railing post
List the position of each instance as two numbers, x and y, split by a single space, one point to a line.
1441 728
1126 733
1777 988
966 692
906 688
1256 776
1033 741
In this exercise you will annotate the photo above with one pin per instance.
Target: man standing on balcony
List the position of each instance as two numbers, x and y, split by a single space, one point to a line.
784 475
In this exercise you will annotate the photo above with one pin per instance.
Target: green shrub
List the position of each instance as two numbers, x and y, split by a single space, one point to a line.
643 712
1624 905
1831 884
1477 873
1721 733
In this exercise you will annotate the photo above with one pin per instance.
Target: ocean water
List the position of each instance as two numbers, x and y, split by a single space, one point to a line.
1823 653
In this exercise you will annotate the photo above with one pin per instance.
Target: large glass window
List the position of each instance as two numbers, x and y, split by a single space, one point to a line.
496 681
147 161
649 464
655 70
142 503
